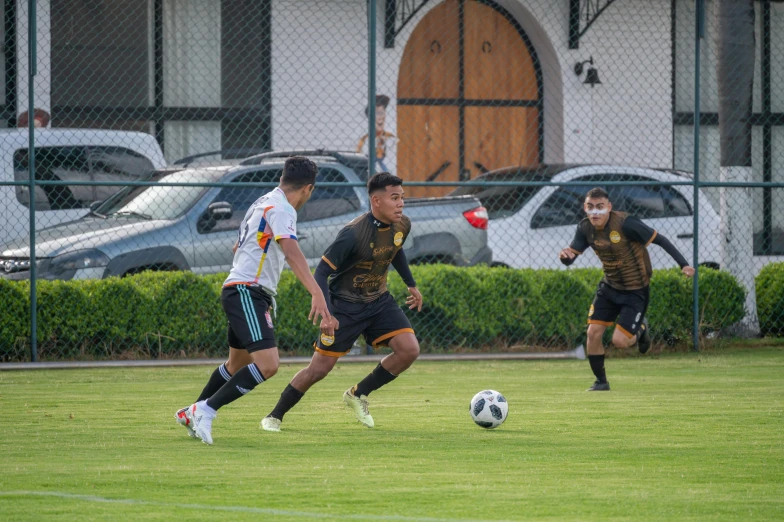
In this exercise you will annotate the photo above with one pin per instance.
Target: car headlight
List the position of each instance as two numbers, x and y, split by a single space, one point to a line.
77 260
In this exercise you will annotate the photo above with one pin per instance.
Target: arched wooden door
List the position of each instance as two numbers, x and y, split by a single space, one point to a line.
469 96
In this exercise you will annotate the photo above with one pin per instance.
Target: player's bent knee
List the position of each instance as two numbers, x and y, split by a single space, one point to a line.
405 346
596 331
267 361
619 340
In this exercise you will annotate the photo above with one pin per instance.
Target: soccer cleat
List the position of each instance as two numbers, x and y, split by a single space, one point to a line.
270 424
184 418
599 386
202 421
644 341
360 407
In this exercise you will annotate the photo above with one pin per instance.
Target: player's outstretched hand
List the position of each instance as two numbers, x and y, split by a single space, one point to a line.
318 308
414 300
688 271
329 325
567 253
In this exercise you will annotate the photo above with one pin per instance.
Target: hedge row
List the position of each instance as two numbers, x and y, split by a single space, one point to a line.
178 313
770 299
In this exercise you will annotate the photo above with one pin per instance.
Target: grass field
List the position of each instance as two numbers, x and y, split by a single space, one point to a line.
680 437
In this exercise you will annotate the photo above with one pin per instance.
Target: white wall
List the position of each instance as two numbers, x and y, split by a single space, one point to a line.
319 73
43 79
320 77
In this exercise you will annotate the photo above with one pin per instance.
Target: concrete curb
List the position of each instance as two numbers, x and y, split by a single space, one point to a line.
578 353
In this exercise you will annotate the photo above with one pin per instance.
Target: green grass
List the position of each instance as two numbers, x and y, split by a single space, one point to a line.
680 437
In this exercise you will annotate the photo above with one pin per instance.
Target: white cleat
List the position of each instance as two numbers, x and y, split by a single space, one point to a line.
202 421
270 424
360 407
184 418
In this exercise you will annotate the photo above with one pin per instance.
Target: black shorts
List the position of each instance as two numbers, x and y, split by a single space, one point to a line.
248 310
625 308
379 321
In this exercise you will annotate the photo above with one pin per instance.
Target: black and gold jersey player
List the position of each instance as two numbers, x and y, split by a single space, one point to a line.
620 241
353 276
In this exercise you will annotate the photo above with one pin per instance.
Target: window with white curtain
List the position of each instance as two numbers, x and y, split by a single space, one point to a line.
191 73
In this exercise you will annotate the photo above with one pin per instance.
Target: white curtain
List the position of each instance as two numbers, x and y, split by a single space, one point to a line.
191 73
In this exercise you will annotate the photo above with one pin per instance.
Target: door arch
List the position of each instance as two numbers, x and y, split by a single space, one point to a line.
469 96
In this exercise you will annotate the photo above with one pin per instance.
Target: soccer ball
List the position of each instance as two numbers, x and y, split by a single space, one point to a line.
489 409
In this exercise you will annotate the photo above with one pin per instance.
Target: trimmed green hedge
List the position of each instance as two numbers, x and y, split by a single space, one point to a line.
176 314
770 299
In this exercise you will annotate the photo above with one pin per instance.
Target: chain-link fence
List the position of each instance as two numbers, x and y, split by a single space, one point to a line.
157 123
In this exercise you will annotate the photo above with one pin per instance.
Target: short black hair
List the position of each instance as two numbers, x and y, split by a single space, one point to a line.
381 181
298 172
382 100
597 193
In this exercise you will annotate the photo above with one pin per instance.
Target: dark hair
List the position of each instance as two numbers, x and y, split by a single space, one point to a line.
597 193
382 100
38 114
298 172
381 181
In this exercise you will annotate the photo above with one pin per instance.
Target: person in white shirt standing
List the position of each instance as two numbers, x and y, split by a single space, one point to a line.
267 237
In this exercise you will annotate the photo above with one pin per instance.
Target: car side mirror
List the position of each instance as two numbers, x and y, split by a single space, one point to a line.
218 211
95 205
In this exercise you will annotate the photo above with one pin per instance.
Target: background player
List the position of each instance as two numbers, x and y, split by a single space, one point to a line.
620 241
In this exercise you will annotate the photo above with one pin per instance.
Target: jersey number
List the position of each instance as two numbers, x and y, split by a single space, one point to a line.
243 235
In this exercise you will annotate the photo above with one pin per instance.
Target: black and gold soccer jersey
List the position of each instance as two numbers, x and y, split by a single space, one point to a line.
621 247
361 255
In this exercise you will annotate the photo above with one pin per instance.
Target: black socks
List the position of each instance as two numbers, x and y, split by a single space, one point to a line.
241 383
218 378
375 380
597 366
288 399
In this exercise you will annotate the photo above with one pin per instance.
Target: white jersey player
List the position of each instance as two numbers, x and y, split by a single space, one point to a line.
267 237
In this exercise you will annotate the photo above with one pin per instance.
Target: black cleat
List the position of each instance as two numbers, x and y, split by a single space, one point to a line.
644 341
599 386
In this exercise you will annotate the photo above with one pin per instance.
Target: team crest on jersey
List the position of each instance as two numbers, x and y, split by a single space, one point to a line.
398 239
615 237
269 319
590 311
327 340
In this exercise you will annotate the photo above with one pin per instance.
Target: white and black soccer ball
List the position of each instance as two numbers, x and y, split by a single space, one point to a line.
489 409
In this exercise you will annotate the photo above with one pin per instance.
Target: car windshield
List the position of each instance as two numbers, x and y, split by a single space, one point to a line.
166 202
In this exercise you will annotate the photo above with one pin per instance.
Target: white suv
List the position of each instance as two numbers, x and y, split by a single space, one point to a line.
68 155
529 225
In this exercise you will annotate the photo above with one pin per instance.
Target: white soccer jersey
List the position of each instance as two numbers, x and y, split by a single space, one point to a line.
259 260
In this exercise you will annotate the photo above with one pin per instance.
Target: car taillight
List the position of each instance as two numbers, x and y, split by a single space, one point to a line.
477 217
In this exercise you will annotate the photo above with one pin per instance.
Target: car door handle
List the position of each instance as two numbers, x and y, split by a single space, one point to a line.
302 235
685 236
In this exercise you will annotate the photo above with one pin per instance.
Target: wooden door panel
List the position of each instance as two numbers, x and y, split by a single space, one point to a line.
430 67
498 137
431 139
498 65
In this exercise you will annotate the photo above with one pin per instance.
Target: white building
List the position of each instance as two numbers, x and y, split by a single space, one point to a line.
472 84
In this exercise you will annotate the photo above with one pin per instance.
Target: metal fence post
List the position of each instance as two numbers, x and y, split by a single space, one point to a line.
371 88
31 72
699 33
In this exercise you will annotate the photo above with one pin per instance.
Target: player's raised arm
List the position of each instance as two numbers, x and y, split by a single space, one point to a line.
577 247
635 228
